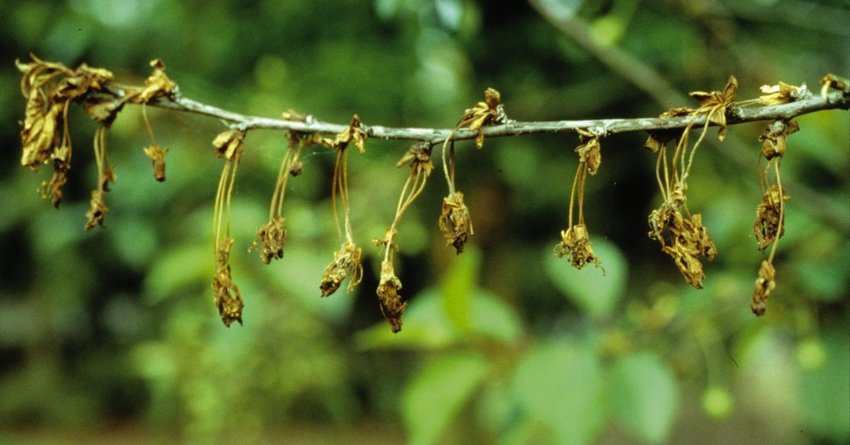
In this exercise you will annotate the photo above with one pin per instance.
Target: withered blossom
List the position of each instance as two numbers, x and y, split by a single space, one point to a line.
455 222
97 209
765 283
685 240
391 303
227 299
228 142
354 133
346 264
490 111
781 93
773 138
575 244
157 157
272 237
156 85
715 103
768 226
590 151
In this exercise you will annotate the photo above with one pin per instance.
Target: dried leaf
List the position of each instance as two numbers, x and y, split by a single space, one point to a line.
156 85
455 222
590 151
685 240
834 81
418 157
97 209
227 298
490 111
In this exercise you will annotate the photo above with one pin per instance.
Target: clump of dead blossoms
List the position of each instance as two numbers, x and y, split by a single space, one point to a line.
769 225
682 235
575 240
392 305
346 262
228 300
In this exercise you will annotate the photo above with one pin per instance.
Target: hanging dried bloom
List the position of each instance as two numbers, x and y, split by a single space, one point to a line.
769 215
272 237
157 157
455 222
346 264
575 244
392 306
765 283
685 240
227 299
97 205
227 142
781 93
590 151
715 103
418 157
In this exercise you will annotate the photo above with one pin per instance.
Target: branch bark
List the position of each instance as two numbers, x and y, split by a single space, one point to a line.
602 127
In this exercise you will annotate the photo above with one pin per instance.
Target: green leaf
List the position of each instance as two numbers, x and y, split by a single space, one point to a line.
825 389
595 292
646 396
494 319
457 287
437 393
559 385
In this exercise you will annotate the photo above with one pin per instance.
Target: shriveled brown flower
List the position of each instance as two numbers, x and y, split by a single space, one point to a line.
97 209
773 138
714 104
272 237
354 133
769 215
157 156
685 240
590 151
489 111
765 283
575 243
391 303
227 297
455 222
346 264
227 143
781 93
156 85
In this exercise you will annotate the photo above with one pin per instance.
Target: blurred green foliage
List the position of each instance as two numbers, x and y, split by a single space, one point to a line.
111 336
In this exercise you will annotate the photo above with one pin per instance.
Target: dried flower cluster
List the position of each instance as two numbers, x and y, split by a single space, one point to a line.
49 88
769 225
228 300
575 240
682 235
346 262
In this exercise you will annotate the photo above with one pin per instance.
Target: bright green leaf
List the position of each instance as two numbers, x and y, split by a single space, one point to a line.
589 288
645 396
560 385
437 393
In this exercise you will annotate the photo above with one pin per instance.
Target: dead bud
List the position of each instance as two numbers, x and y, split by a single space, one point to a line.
272 237
346 263
455 222
389 299
157 157
575 243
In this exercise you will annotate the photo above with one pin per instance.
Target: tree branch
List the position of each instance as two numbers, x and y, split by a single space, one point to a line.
602 127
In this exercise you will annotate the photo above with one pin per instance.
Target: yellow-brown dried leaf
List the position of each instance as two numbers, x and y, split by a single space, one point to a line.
346 264
390 301
781 93
769 217
227 143
575 243
272 237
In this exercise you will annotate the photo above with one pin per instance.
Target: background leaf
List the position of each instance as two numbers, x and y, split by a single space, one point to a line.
596 293
644 396
437 392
